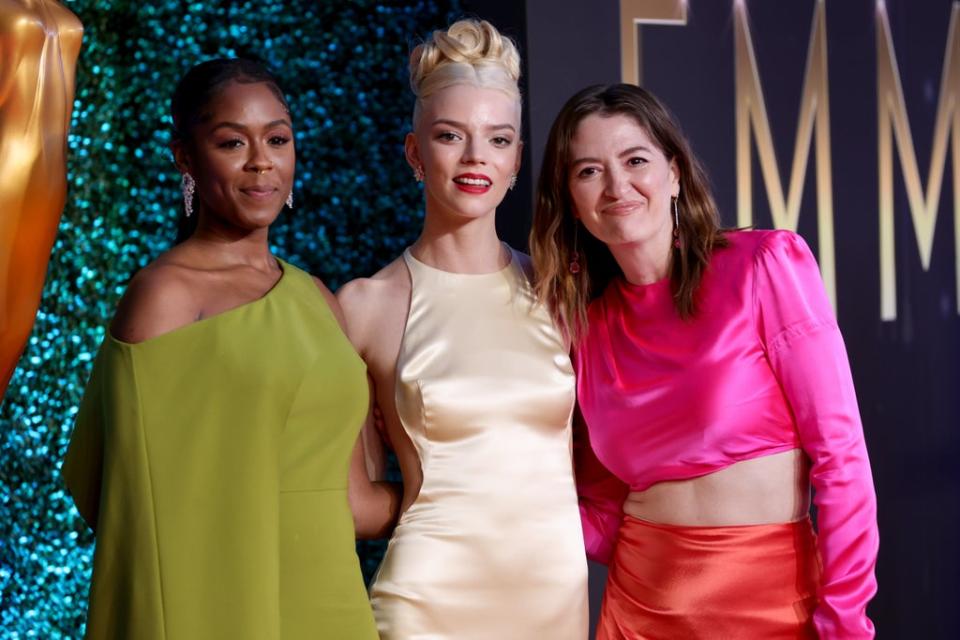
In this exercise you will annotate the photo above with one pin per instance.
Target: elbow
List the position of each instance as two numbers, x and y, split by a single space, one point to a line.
357 510
366 530
374 509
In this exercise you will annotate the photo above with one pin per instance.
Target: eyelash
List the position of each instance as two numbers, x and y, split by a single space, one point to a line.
499 141
589 172
235 143
584 172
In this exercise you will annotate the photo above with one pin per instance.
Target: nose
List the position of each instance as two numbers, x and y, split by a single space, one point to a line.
259 160
616 183
473 152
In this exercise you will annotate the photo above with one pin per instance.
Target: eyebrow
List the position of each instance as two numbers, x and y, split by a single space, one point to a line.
625 152
460 125
241 127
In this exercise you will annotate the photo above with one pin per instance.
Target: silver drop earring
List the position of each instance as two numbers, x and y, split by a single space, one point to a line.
289 202
513 182
418 173
188 185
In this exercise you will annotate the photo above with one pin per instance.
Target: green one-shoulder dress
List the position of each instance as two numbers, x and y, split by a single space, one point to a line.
212 464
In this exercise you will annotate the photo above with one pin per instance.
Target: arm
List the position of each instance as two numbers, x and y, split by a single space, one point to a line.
808 357
375 503
82 468
156 301
601 495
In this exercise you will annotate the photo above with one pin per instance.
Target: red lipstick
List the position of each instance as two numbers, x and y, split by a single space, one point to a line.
473 183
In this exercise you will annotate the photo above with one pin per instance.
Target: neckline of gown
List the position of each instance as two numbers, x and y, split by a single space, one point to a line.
204 322
423 266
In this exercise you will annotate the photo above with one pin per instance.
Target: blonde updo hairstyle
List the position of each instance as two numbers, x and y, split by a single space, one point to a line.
470 52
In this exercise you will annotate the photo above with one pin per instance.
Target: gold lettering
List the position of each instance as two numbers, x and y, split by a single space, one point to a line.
814 116
892 115
637 12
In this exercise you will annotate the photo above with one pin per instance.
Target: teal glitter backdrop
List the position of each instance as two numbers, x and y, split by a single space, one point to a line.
342 65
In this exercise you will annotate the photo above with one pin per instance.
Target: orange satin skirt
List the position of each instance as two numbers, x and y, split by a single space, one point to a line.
669 582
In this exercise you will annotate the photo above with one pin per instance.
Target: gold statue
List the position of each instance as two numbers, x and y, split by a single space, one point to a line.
39 45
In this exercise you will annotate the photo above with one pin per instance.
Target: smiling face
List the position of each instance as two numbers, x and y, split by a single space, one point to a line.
242 157
467 140
621 183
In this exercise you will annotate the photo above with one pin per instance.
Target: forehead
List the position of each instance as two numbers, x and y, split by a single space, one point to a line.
598 134
245 103
472 105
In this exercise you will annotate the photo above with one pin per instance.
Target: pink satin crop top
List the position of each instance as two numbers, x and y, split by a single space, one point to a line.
761 368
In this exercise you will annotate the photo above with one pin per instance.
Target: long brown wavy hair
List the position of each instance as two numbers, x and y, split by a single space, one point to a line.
555 240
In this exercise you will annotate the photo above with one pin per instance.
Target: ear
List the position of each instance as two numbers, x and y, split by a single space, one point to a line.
674 178
181 158
411 149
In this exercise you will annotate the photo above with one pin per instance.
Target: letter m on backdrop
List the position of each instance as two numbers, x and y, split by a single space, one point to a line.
892 115
814 117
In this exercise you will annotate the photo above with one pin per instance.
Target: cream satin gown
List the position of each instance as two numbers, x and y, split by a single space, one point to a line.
492 548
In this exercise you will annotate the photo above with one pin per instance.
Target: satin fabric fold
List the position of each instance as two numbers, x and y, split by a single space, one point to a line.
737 583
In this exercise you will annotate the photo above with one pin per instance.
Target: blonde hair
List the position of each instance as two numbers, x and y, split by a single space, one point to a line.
470 52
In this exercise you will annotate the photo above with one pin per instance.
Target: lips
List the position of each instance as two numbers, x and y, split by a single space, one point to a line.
621 208
259 192
473 182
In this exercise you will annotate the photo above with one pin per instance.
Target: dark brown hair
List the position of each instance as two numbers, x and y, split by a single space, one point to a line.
554 239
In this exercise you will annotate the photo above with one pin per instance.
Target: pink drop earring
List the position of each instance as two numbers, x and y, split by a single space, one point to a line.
575 256
676 223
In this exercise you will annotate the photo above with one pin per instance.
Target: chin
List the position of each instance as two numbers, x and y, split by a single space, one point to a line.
473 213
615 237
468 210
475 206
253 220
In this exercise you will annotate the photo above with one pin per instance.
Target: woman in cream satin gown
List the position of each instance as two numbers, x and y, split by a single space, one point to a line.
474 381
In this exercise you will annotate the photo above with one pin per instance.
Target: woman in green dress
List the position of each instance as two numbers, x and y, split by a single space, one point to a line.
212 449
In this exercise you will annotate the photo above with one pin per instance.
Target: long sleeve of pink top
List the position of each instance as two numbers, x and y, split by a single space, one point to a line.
807 355
761 369
601 495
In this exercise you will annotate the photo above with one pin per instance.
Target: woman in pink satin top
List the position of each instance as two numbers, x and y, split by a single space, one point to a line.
715 390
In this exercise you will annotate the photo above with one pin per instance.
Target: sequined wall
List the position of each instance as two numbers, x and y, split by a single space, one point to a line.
343 68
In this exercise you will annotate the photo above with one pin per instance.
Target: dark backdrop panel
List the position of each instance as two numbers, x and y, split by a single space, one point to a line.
569 45
514 214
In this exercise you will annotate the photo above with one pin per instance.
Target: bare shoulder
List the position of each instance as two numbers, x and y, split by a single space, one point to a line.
160 298
371 304
363 295
525 263
331 301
